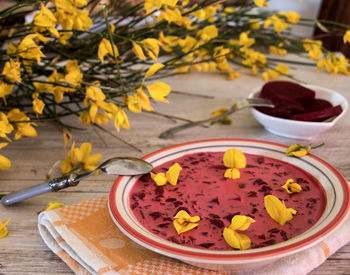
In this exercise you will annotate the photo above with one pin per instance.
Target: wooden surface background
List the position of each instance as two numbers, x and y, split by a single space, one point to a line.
23 251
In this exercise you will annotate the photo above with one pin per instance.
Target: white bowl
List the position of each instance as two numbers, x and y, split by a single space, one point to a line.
336 189
300 129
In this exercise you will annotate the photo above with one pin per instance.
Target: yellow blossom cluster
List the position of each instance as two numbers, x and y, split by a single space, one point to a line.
332 63
80 158
69 79
66 57
281 21
18 122
301 150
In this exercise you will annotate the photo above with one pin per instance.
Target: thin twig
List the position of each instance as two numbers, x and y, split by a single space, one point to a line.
99 135
192 94
235 107
118 138
101 87
172 117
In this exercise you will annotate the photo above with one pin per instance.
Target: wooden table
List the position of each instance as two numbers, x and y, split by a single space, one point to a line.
23 251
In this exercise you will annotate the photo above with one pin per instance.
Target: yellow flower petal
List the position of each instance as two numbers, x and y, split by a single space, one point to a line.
208 33
232 173
121 120
144 99
299 150
152 47
182 216
282 69
66 166
25 129
45 18
3 228
153 69
12 71
160 178
38 106
105 48
219 112
53 205
159 90
346 37
137 49
293 17
277 210
85 118
261 3
234 158
3 144
236 240
66 136
85 150
291 187
91 162
134 104
80 157
184 222
5 163
240 222
173 173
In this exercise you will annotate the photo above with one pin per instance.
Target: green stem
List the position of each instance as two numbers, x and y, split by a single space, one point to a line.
318 146
292 61
112 43
334 23
16 6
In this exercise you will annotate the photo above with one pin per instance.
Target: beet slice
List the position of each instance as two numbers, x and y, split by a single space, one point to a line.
284 108
296 102
285 90
318 104
320 115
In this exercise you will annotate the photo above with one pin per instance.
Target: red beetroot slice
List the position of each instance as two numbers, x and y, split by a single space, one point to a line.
320 115
284 108
318 104
286 90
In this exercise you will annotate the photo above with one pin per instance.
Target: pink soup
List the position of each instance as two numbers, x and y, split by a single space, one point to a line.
203 191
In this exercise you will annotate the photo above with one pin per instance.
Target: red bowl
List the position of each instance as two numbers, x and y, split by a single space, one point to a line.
337 206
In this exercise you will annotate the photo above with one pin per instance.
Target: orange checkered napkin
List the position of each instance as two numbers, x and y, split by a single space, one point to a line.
86 238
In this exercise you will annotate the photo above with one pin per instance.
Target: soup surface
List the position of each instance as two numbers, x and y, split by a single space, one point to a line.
203 191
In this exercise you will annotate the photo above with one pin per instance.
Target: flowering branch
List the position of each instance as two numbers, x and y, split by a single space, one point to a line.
100 62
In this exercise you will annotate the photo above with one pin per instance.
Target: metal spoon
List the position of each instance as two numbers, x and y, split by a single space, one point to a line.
124 166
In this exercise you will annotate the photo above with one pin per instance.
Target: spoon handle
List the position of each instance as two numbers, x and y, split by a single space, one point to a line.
53 185
26 193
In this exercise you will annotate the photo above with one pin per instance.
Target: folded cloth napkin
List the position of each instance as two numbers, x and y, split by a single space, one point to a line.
86 238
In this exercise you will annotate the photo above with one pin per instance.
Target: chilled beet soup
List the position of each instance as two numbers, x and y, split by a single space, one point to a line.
203 191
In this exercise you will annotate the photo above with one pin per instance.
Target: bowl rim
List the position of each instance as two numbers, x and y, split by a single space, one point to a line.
248 256
344 106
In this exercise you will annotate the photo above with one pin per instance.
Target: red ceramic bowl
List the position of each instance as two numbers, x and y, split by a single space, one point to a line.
337 206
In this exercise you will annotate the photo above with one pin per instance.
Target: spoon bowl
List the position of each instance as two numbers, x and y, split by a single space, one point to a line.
126 166
123 166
